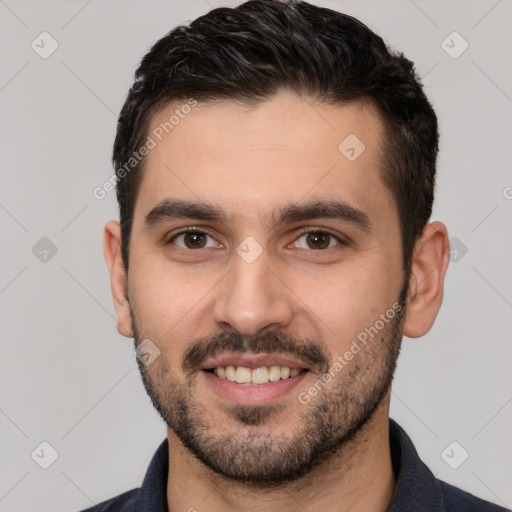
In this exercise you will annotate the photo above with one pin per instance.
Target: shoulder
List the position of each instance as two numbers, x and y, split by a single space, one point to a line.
126 502
457 500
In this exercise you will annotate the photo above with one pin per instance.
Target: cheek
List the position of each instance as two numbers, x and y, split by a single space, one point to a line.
346 302
161 298
170 303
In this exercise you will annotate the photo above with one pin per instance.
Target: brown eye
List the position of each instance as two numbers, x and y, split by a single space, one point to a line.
317 240
192 239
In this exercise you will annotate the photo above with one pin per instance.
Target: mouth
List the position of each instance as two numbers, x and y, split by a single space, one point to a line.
253 379
255 376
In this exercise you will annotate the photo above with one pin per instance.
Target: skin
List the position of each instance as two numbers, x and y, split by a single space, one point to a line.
249 161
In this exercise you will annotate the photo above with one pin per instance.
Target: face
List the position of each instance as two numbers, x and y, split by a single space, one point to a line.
260 249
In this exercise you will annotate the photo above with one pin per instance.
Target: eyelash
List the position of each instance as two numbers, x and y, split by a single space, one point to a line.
303 231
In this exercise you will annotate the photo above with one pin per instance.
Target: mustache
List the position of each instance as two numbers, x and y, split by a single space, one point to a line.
308 351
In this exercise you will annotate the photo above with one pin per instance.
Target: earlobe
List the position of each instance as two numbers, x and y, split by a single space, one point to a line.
426 282
112 252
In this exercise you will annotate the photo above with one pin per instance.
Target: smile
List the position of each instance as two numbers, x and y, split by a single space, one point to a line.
261 392
255 376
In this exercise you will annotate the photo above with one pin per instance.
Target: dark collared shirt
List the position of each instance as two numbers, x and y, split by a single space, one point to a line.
416 489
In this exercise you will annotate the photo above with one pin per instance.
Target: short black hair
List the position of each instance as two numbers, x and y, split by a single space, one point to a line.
249 53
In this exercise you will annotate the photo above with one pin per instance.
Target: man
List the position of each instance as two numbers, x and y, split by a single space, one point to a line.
275 170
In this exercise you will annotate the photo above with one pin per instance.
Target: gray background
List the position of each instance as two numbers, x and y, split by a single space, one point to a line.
68 378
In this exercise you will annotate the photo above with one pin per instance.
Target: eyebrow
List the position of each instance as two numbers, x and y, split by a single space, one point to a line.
172 209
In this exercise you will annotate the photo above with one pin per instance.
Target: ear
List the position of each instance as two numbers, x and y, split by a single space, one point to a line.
428 268
118 278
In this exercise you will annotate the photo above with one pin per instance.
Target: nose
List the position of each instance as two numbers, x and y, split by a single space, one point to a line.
252 298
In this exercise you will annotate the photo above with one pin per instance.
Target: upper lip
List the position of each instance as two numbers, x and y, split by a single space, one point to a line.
253 361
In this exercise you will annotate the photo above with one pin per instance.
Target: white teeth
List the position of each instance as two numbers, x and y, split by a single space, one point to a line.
275 373
230 373
242 375
262 375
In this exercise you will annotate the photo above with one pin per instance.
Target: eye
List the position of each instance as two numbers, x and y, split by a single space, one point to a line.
192 238
318 239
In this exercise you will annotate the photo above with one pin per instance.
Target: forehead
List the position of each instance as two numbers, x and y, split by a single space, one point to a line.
286 149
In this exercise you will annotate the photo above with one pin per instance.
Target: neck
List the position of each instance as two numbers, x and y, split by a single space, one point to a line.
357 477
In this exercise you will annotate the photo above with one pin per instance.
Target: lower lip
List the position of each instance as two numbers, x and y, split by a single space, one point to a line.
254 394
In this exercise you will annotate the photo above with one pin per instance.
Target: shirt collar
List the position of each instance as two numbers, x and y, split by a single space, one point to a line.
153 493
415 483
